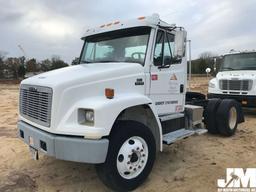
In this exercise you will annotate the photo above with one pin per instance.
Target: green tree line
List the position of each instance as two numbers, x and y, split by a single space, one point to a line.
17 67
205 60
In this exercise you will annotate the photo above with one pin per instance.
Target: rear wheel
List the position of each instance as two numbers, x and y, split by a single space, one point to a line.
210 115
227 117
130 158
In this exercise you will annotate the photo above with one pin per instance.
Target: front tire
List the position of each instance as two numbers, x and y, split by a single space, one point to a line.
130 157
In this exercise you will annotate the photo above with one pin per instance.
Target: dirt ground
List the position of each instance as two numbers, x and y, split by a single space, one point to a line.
191 165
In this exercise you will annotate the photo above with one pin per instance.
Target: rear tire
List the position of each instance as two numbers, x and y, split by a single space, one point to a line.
210 115
227 117
130 158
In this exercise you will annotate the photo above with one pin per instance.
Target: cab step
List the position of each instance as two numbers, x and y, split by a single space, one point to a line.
171 137
174 136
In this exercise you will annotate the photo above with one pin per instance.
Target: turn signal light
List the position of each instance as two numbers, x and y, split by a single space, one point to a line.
109 93
141 18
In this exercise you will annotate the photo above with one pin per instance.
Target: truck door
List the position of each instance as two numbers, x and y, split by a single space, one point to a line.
168 75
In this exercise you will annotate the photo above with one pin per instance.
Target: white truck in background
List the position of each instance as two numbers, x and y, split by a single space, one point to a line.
121 104
236 78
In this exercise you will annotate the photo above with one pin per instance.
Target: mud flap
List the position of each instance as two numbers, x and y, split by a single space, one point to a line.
240 118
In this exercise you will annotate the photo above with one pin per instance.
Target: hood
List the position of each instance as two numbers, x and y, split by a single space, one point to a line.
241 74
84 73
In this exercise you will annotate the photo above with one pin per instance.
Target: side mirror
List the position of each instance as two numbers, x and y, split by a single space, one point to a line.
180 44
158 61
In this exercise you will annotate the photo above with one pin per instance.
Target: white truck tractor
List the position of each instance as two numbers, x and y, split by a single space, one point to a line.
236 78
125 99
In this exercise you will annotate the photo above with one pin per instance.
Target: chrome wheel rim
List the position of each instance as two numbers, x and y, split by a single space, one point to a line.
132 157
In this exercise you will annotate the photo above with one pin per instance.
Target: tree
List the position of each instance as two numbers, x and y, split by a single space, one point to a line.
57 63
22 60
22 71
207 59
46 65
13 64
207 55
31 65
75 61
2 65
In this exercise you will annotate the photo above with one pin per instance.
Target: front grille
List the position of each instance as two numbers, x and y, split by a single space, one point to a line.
238 85
36 104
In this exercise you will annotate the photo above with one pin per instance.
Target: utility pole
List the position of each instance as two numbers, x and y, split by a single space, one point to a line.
23 51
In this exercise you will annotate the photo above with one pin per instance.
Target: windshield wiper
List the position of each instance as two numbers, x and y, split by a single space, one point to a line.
248 68
105 61
86 62
227 68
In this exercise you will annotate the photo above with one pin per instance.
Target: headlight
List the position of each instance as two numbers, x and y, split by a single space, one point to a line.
86 116
211 85
89 116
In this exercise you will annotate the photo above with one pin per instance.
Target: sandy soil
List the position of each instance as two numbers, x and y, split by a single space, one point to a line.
190 165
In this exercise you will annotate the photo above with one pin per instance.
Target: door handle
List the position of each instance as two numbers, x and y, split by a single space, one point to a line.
181 88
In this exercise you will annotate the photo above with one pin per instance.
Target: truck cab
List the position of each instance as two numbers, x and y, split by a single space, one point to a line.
125 99
236 78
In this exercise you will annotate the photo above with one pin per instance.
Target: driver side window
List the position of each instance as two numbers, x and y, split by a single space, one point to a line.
168 48
164 48
158 53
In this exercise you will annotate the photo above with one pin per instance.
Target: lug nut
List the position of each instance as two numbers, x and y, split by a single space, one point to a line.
134 169
143 155
128 162
139 166
142 161
138 148
130 167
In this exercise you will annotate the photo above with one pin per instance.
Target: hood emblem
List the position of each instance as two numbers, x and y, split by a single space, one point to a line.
32 89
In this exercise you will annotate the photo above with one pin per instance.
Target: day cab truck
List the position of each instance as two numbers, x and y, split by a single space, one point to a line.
125 99
236 78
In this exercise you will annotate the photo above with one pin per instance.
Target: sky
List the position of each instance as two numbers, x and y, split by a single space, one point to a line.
46 28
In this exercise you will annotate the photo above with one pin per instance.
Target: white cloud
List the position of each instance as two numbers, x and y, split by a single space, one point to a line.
46 28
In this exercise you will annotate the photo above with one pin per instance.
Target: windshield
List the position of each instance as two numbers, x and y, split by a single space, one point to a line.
244 61
126 45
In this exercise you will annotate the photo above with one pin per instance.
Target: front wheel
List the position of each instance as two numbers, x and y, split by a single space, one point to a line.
130 158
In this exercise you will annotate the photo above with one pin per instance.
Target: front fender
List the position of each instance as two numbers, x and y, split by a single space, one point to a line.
106 112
